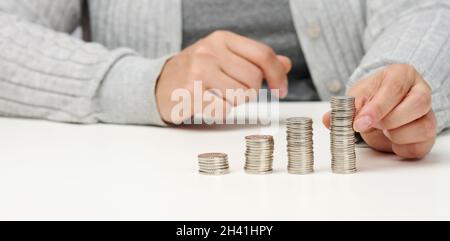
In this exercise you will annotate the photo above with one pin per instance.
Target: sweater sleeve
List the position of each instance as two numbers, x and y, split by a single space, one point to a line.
411 32
46 73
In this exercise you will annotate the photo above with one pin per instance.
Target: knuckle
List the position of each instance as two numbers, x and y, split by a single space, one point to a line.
430 128
406 71
267 54
394 68
203 50
195 74
410 72
424 100
409 69
396 86
377 109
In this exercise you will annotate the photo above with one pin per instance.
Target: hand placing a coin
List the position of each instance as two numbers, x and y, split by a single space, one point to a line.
394 112
223 60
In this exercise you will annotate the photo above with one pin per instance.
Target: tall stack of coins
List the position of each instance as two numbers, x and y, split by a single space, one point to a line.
300 145
343 157
213 164
259 154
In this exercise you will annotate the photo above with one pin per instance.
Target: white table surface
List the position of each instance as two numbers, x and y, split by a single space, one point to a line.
62 171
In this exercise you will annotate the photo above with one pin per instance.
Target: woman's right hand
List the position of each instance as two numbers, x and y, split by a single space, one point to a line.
223 60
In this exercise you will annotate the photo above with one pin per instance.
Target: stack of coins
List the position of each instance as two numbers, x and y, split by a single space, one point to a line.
213 164
259 154
343 157
300 145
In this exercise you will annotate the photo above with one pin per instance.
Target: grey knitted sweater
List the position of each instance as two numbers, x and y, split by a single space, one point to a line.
266 21
45 73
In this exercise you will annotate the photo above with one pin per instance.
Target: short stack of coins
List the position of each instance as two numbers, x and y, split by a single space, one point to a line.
259 154
343 156
213 164
300 145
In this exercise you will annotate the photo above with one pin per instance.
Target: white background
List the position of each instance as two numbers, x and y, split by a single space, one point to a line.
62 171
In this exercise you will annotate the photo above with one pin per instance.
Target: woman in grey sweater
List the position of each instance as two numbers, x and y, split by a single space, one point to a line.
393 56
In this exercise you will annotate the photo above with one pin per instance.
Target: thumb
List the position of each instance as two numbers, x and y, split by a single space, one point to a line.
360 103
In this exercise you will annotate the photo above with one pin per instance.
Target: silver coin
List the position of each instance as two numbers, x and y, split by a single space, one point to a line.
213 163
258 172
214 173
299 136
259 154
342 135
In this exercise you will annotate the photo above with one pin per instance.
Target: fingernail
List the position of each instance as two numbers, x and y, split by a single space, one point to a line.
363 124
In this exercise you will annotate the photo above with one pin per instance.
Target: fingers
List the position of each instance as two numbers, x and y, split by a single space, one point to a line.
215 107
396 82
366 87
418 100
415 150
396 113
417 131
287 63
377 140
264 57
242 70
210 73
224 83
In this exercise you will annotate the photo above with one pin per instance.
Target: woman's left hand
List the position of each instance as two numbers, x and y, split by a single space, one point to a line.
394 112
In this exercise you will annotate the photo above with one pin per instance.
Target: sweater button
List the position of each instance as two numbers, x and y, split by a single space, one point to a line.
334 86
314 30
